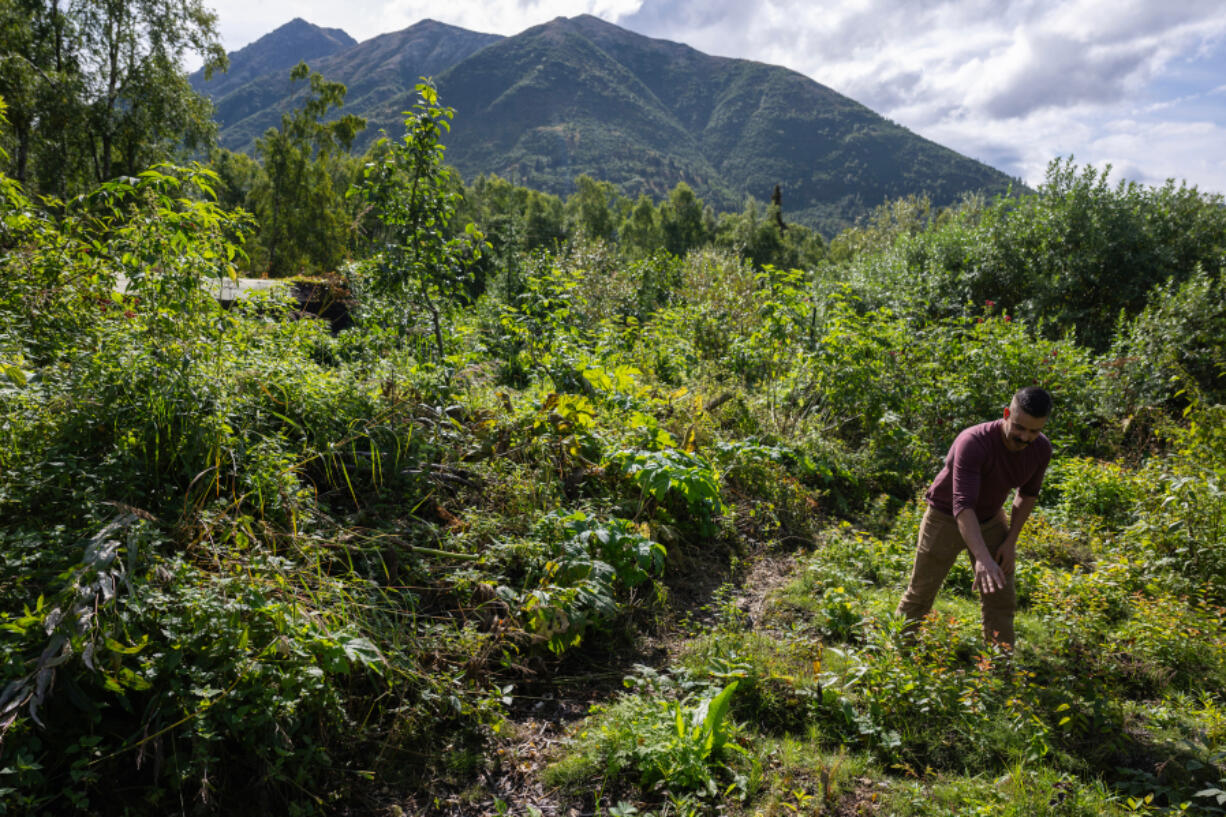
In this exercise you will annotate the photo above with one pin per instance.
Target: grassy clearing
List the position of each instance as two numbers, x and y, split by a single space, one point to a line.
1111 704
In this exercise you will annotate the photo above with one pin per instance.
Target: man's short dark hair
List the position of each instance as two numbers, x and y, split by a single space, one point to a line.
1034 401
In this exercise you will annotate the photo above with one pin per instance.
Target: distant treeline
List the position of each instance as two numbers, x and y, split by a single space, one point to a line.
329 227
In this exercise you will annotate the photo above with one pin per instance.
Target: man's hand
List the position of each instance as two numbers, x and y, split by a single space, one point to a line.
1006 556
989 578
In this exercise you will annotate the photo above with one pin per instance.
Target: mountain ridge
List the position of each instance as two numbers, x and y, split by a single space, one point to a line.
278 50
582 95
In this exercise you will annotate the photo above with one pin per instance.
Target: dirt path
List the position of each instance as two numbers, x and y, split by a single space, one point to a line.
544 712
765 575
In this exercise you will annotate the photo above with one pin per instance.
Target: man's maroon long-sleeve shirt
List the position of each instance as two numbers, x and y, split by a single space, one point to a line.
980 472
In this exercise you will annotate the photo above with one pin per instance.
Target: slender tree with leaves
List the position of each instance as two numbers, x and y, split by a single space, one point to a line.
421 261
681 219
640 231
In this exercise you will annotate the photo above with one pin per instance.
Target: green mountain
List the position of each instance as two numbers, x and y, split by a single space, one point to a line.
581 95
277 51
571 97
380 74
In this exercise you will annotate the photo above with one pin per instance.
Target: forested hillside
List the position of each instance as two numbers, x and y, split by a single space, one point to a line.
379 74
275 53
592 505
584 97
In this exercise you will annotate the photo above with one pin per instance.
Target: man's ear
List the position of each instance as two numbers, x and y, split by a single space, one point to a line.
1006 412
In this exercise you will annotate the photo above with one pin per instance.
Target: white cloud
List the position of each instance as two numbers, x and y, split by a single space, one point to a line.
1191 151
1014 84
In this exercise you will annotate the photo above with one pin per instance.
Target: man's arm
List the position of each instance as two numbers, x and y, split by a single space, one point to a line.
1022 506
988 575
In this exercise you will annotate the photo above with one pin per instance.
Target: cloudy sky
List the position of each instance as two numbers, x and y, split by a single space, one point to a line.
1137 84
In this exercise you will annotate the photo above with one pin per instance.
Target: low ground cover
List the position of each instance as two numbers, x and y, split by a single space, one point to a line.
1080 720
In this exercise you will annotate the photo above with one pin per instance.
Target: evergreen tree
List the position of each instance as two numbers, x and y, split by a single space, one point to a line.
755 233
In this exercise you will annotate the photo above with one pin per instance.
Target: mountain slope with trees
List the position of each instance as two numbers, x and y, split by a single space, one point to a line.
274 53
379 74
582 96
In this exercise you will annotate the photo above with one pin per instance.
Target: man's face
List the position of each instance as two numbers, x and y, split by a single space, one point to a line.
1020 429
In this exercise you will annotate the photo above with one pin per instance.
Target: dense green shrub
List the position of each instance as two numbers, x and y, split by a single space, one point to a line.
1176 343
1090 493
1182 524
903 391
1074 255
172 617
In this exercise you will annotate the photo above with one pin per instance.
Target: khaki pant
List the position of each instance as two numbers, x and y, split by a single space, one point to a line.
939 545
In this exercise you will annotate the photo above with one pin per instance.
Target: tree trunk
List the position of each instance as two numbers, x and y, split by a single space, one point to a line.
435 320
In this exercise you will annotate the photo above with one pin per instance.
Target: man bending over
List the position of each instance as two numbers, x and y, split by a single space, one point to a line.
965 511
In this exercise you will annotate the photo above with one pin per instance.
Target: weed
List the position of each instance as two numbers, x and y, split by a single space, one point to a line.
677 745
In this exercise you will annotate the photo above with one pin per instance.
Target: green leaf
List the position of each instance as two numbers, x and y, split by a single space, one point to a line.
361 651
713 724
115 646
15 375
